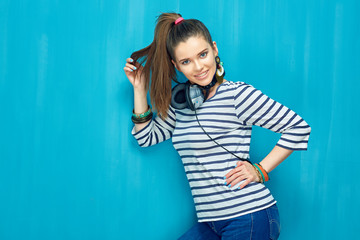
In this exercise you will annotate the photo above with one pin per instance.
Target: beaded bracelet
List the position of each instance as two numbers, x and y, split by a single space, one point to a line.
262 178
258 174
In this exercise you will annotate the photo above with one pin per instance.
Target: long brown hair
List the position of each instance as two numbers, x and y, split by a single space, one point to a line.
158 55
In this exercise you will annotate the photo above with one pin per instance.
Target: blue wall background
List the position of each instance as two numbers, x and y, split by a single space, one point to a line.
69 167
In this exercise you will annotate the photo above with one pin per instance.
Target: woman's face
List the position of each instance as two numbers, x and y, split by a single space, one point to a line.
195 58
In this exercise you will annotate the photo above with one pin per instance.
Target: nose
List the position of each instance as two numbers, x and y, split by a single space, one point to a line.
198 66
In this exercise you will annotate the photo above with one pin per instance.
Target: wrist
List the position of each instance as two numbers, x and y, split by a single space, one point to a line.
258 174
140 101
140 92
264 166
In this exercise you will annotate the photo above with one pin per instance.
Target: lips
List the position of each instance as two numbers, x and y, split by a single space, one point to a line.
202 75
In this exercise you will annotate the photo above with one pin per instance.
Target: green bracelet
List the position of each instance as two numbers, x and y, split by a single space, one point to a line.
142 120
142 115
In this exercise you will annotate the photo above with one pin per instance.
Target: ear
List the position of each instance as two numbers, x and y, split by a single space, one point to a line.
216 51
176 66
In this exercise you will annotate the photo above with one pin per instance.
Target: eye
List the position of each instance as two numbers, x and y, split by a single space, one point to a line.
185 62
204 54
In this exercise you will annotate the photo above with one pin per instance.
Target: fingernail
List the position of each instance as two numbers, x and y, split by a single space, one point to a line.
239 188
224 177
135 68
229 185
131 60
225 183
131 70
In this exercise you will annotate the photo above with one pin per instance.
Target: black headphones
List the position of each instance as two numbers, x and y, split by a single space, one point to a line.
187 95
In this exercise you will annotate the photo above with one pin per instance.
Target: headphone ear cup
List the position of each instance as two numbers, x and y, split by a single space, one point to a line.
178 98
194 96
188 98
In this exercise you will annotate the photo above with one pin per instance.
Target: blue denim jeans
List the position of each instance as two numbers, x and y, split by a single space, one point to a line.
261 225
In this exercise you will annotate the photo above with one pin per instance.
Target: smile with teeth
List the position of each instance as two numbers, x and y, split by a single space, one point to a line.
202 74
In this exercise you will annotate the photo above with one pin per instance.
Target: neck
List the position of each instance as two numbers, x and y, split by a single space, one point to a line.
212 90
209 88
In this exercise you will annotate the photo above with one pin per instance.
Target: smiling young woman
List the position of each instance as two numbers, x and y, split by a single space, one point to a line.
195 59
196 66
210 121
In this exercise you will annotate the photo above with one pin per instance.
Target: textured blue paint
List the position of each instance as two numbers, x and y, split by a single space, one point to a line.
69 168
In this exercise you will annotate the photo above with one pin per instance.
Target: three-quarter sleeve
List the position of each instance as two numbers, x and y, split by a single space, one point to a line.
255 108
158 130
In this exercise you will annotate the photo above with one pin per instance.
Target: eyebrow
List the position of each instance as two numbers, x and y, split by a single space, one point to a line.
197 54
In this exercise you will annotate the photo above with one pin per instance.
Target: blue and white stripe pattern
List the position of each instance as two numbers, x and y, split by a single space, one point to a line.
228 118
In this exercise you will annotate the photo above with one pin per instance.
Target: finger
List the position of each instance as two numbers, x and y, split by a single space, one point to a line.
239 178
239 163
127 69
129 60
233 171
230 173
245 184
230 179
234 176
131 66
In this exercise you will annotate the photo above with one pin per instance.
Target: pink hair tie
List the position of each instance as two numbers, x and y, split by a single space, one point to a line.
179 20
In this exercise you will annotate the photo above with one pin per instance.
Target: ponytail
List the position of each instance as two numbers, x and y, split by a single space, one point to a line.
157 57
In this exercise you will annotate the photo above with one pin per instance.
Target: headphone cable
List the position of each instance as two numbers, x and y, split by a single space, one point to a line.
241 159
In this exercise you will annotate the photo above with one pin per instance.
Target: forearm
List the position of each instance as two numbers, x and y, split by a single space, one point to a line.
140 106
274 158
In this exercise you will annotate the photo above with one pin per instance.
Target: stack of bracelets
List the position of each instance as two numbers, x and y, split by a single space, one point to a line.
143 117
262 174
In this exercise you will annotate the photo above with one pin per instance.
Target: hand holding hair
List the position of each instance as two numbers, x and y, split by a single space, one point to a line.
133 72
